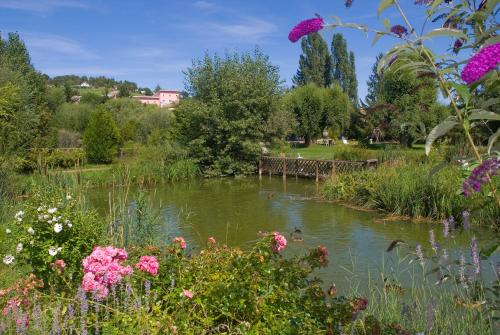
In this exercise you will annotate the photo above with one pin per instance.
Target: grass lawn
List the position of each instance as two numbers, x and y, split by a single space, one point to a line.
338 151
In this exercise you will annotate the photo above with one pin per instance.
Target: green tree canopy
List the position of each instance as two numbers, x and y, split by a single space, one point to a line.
235 106
317 108
343 67
314 63
101 137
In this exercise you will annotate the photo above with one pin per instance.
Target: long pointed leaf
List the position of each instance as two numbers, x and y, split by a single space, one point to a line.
384 4
480 114
493 138
440 130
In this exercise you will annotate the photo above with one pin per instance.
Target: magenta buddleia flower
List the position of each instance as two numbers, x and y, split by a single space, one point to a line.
305 27
481 175
481 63
399 30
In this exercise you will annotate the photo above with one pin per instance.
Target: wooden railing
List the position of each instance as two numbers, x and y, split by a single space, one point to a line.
311 167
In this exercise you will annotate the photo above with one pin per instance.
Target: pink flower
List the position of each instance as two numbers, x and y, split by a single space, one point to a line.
211 240
103 268
11 305
60 264
181 242
278 242
304 28
148 264
481 63
187 293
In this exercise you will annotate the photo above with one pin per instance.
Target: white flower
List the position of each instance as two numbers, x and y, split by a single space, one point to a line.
19 216
55 218
19 247
8 259
31 231
58 227
69 197
45 217
52 210
53 251
8 231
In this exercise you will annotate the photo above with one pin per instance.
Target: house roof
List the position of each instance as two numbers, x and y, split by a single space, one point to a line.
169 91
145 97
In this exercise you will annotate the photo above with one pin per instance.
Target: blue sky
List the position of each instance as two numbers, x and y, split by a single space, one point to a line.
152 41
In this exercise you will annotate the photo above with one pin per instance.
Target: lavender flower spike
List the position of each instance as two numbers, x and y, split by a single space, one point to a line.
481 63
304 28
419 253
475 256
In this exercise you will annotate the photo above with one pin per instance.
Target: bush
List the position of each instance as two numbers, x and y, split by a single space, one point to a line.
50 227
101 137
65 158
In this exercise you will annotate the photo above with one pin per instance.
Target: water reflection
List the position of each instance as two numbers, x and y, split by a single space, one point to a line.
235 210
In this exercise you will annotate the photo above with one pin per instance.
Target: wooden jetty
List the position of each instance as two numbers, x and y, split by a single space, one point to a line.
300 167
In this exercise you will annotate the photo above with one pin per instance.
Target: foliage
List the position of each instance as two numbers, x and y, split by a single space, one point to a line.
410 190
48 227
374 84
315 62
101 137
317 108
24 110
235 107
219 290
65 158
343 67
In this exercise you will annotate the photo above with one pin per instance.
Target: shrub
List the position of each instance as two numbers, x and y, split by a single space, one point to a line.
65 158
101 137
49 229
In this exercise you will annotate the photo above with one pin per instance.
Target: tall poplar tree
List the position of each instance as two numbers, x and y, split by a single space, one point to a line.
314 63
374 84
353 81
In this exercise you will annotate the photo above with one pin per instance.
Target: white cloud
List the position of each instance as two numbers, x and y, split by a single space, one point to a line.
204 5
42 6
54 44
247 30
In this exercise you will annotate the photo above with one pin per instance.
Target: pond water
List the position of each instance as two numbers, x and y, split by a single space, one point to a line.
235 210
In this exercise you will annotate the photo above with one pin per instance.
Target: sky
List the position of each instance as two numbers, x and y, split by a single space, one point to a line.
151 42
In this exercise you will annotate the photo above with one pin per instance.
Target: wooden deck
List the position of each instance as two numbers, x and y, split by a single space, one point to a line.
311 168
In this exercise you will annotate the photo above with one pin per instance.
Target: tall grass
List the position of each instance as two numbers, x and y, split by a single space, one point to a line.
410 189
408 294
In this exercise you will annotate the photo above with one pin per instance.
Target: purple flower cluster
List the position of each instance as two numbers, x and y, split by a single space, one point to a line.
399 30
348 3
481 63
457 45
304 28
481 175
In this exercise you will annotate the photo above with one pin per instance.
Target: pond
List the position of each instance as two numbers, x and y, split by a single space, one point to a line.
234 211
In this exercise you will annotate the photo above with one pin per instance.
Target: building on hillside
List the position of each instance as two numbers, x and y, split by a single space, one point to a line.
84 85
162 98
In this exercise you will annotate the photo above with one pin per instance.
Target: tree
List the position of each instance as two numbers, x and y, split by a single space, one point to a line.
340 62
314 63
316 108
352 91
157 88
28 124
374 83
69 92
235 106
101 137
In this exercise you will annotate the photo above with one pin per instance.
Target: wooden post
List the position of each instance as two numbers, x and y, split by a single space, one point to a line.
317 171
284 168
260 168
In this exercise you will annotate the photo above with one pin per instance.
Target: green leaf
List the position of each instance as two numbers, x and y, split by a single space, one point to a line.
480 114
492 40
485 253
493 138
440 130
387 24
462 90
377 37
384 4
446 32
436 3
